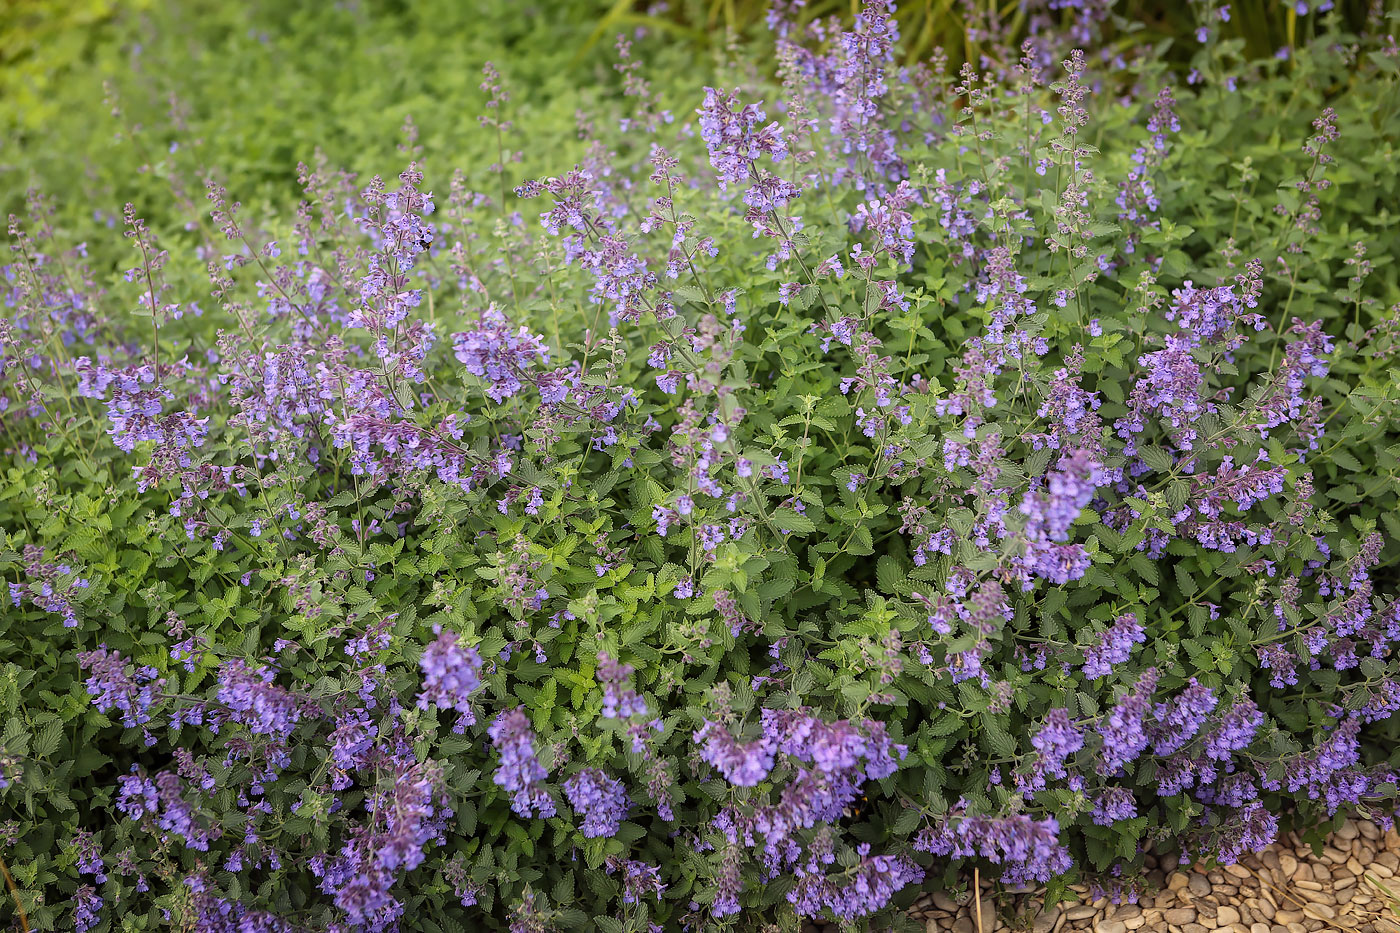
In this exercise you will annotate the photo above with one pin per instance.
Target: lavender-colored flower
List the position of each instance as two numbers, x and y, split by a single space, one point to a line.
600 800
743 764
1123 728
1115 646
519 770
451 674
499 354
639 880
1027 849
1114 804
1049 515
252 699
737 136
115 683
1179 719
1058 739
620 701
1235 731
86 904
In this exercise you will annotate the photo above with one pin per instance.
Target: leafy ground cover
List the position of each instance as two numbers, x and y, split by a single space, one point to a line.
741 492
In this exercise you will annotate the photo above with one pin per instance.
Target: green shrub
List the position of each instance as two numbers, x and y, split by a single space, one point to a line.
757 518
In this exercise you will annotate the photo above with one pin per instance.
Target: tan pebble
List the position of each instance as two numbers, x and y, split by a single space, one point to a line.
1259 928
1379 870
1178 881
1133 923
1334 855
1045 921
1389 859
1286 917
1180 915
1227 915
1303 872
1110 926
1194 928
1322 873
1344 881
1320 912
1215 877
1270 859
1354 865
1268 896
1278 928
1224 890
1082 912
964 924
1262 908
1344 895
1198 886
1370 831
1128 912
1239 871
943 902
1297 928
1287 864
1309 885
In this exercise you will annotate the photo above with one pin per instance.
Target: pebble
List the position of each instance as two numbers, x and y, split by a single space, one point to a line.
1320 912
1110 926
1225 916
1083 912
1199 886
943 902
1180 915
